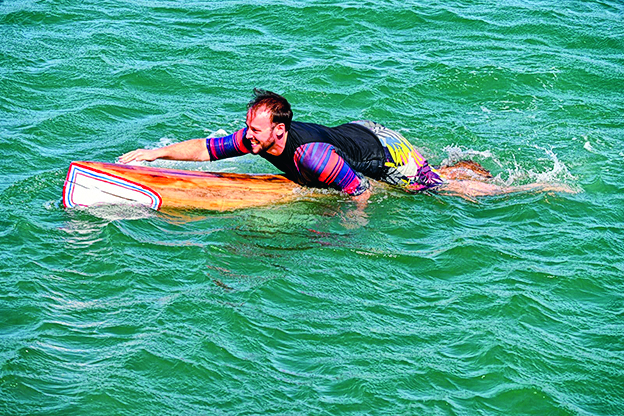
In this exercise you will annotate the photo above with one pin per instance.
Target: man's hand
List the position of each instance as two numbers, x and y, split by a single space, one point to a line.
138 155
361 200
356 218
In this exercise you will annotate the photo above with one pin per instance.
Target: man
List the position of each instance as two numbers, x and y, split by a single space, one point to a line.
311 154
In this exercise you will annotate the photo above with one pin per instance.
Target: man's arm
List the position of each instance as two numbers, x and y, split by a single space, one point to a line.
197 150
320 162
191 150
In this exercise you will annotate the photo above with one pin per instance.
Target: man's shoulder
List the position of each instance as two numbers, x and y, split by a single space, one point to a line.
317 125
306 125
316 128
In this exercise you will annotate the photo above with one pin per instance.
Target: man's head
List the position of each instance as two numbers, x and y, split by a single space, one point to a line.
268 121
277 106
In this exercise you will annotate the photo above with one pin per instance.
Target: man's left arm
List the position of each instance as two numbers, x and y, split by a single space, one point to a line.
319 162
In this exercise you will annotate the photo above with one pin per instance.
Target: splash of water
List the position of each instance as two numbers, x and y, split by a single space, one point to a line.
457 153
513 173
115 212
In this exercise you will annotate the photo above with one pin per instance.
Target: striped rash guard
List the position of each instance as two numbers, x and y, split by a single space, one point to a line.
317 155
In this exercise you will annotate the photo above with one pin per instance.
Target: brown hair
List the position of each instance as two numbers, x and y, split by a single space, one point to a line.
278 106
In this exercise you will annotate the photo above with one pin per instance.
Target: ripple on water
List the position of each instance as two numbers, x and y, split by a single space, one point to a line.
425 304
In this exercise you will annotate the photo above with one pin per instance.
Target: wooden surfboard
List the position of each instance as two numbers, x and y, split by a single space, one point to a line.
93 183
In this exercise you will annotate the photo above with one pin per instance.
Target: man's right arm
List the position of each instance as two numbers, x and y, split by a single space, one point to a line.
197 150
191 150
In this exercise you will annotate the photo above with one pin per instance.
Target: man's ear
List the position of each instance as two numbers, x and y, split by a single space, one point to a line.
280 129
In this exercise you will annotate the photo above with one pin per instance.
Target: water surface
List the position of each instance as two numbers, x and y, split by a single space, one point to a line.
427 305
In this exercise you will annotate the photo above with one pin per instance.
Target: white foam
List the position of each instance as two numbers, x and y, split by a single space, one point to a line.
218 133
121 212
164 141
457 153
513 172
115 212
558 173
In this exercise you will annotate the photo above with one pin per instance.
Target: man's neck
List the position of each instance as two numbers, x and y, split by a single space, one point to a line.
279 146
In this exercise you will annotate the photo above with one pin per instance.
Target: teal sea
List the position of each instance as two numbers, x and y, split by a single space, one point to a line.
424 305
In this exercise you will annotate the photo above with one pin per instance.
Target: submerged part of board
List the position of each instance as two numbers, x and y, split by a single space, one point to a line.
94 183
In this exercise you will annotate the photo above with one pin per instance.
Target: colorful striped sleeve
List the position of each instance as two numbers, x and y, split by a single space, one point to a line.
228 146
319 162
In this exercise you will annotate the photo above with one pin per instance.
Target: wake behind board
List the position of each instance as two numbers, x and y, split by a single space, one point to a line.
93 183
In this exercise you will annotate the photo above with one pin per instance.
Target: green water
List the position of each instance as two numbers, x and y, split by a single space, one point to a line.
427 305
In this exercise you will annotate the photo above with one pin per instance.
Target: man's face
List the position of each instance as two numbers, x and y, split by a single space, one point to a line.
260 130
